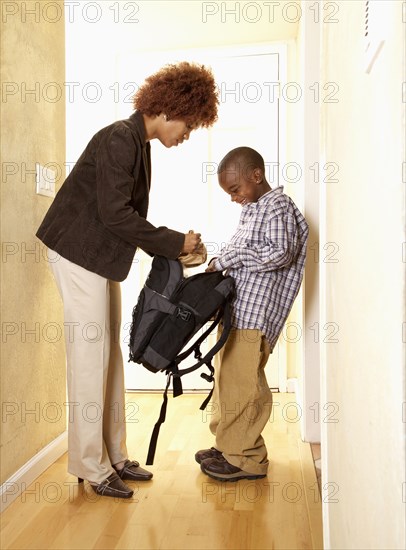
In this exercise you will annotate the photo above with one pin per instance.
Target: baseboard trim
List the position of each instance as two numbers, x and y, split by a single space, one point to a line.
12 488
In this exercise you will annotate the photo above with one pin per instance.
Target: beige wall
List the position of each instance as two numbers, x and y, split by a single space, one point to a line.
363 374
33 130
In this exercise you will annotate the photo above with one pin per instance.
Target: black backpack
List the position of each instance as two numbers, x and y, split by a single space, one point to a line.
170 310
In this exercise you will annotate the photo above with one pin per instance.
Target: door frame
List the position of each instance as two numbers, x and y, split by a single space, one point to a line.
193 54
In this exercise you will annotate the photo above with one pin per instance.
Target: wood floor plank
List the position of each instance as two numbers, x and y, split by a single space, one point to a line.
180 507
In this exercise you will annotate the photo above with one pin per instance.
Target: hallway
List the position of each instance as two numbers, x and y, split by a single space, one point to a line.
337 99
181 507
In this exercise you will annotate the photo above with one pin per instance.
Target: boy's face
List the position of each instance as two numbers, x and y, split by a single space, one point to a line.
242 186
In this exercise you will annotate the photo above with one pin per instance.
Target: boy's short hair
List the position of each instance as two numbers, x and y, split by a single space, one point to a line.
241 160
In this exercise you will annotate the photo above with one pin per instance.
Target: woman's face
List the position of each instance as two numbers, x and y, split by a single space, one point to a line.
173 132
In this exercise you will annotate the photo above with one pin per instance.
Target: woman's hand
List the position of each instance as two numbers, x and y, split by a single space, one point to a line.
192 242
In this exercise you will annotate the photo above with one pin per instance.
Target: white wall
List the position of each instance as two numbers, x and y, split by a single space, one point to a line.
97 32
363 373
308 147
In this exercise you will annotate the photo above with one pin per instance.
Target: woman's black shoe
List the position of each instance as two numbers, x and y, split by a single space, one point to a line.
133 471
113 486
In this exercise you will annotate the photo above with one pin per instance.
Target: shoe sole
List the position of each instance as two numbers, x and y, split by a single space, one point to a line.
232 477
125 478
107 494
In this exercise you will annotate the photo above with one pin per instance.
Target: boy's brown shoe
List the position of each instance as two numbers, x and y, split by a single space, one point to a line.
207 453
224 471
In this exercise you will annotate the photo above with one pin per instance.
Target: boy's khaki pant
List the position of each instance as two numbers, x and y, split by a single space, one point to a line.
242 401
95 372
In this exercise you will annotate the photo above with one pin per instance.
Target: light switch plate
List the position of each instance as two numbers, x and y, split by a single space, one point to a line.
376 29
45 180
372 51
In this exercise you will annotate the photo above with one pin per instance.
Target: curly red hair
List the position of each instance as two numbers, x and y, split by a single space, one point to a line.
182 91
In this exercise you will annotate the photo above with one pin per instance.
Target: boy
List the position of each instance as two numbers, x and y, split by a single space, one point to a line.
266 257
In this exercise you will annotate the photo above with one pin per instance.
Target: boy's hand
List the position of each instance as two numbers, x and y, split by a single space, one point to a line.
210 267
192 242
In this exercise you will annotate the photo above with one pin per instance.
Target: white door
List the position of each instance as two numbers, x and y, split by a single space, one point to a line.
185 194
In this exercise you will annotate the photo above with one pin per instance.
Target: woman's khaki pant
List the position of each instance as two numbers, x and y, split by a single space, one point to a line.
95 372
242 401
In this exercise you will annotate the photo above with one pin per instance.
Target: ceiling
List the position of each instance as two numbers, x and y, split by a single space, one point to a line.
148 25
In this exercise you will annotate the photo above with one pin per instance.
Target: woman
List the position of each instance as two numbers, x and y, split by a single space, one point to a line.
95 224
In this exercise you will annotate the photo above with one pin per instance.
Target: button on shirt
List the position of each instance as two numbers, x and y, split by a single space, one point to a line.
266 258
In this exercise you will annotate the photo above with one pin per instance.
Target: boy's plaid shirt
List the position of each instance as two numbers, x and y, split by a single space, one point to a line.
266 258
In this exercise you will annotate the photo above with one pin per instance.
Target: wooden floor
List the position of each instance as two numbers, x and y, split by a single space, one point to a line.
180 508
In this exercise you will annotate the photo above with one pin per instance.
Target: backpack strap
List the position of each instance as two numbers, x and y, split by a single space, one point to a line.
226 314
159 422
176 382
175 374
196 345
